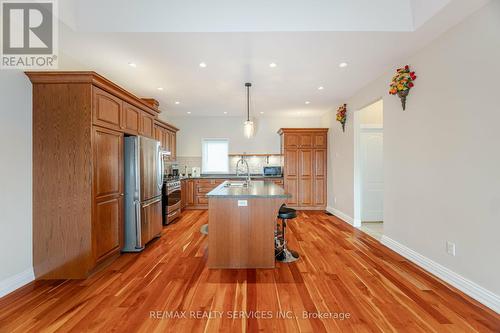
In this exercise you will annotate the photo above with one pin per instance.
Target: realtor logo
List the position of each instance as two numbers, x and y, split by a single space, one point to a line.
29 31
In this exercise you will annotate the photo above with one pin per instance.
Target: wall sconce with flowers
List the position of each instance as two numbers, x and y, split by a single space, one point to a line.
342 115
401 84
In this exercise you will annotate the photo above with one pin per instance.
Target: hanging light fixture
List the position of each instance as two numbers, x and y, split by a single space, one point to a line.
248 128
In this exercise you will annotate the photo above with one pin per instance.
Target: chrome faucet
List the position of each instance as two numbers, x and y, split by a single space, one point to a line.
243 161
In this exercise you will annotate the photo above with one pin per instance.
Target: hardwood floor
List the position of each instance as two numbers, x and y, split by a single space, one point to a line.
342 272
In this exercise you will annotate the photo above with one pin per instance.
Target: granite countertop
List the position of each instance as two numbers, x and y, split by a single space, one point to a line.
257 189
232 175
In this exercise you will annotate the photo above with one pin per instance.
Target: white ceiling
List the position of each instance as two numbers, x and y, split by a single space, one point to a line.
238 50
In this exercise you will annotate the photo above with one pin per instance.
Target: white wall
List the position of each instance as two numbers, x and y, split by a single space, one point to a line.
15 180
373 114
266 139
441 155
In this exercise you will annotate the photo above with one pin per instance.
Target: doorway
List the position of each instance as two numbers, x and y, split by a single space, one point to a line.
369 178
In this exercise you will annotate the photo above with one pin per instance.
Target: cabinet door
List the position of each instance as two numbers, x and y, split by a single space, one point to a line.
190 193
107 109
107 231
319 192
320 163
147 125
320 140
173 145
108 227
159 135
183 193
131 118
292 140
291 162
291 187
306 177
306 140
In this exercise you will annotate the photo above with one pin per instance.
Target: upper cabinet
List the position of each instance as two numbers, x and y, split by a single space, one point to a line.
167 135
107 109
146 127
131 118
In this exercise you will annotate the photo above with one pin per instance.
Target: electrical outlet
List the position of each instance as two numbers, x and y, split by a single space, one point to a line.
450 248
242 203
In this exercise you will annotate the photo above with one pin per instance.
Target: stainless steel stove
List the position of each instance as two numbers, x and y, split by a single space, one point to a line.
171 198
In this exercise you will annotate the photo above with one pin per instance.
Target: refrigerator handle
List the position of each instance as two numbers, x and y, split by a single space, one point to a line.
161 166
138 223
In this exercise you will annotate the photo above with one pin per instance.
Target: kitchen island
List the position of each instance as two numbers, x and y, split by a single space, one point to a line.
241 224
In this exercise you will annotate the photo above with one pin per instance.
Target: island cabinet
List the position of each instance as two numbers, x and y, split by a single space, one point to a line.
79 123
194 190
304 166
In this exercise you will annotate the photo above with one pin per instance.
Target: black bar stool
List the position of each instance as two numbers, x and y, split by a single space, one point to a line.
282 253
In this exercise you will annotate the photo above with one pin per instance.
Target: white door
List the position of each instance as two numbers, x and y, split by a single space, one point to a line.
372 175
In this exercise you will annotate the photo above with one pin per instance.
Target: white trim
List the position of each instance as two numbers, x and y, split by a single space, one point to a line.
344 217
468 287
14 282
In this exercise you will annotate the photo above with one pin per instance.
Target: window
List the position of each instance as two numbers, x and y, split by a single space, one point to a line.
214 153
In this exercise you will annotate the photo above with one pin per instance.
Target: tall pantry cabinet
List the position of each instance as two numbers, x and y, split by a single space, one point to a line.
305 166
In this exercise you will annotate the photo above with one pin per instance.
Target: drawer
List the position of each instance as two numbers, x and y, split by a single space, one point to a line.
209 181
205 189
201 200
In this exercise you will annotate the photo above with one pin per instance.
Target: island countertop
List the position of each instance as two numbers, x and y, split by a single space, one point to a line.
257 189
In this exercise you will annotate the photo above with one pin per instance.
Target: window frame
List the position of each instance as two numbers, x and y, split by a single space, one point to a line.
203 160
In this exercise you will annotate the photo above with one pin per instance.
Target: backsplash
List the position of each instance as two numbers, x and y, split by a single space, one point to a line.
255 163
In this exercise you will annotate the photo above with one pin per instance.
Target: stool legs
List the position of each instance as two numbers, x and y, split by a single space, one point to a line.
283 253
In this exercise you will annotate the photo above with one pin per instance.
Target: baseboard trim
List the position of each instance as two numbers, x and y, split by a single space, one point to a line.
344 217
480 294
14 282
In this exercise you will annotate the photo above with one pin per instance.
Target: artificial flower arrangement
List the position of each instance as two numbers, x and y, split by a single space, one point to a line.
401 83
341 115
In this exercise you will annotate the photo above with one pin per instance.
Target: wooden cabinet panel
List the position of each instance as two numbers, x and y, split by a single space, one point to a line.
306 163
292 163
107 231
147 125
108 162
319 192
107 109
320 163
131 118
183 193
291 186
201 200
173 145
108 227
189 192
166 140
320 140
306 189
159 135
306 140
292 140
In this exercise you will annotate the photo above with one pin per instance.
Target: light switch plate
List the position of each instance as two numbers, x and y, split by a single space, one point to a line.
242 203
450 248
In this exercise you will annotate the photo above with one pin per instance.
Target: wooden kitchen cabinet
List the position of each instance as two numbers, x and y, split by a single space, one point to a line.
167 135
107 109
305 164
79 123
108 193
131 119
146 127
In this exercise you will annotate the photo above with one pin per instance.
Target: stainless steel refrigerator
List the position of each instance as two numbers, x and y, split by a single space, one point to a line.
143 200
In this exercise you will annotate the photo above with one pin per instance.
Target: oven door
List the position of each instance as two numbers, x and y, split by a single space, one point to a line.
173 200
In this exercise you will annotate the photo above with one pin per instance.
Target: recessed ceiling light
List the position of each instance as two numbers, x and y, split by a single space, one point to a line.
160 88
132 64
261 112
177 102
189 112
272 65
321 88
203 65
225 112
343 64
307 102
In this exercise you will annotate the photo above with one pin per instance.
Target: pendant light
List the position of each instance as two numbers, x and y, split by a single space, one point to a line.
248 128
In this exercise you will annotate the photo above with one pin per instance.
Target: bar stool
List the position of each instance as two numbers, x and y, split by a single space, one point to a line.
282 253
